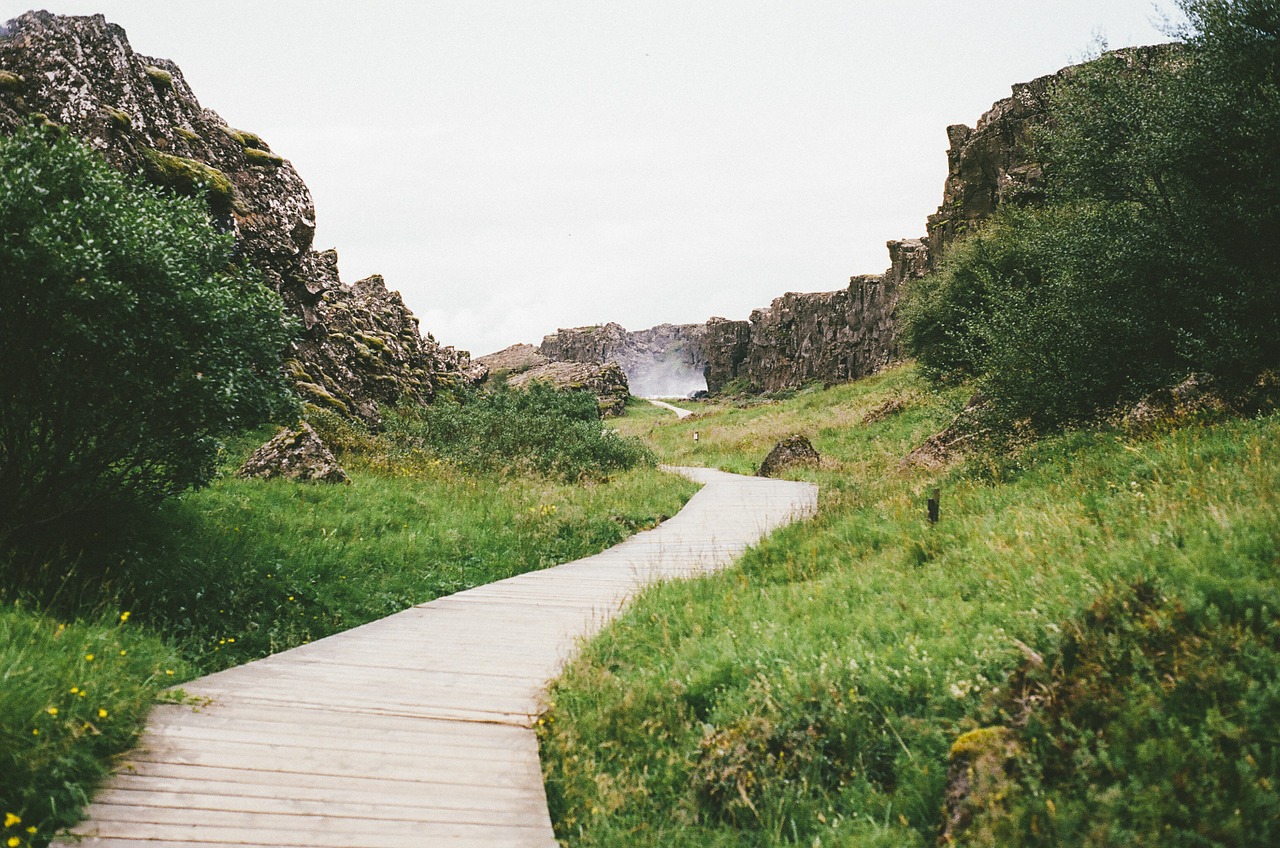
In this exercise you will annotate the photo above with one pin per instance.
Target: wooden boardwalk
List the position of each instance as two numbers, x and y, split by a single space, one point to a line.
415 730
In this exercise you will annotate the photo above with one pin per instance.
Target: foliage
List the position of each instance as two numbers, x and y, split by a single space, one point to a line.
1155 254
131 344
1151 723
244 568
537 430
72 695
813 693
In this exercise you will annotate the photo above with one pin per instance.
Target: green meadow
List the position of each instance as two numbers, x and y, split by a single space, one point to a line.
1087 640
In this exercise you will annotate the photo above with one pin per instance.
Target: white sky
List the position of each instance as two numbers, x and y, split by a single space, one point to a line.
515 167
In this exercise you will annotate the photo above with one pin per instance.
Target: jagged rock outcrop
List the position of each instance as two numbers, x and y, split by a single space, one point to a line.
296 453
842 335
831 337
662 361
607 381
990 163
361 344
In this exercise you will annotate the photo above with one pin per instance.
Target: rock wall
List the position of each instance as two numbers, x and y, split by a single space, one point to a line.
843 335
664 361
361 346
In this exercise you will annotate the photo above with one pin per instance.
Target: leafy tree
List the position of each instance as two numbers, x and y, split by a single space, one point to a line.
1157 251
131 344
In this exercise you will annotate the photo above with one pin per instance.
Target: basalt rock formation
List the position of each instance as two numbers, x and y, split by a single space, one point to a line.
836 336
361 345
295 453
664 361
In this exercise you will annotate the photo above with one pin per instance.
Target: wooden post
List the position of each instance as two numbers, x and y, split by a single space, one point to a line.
933 506
695 435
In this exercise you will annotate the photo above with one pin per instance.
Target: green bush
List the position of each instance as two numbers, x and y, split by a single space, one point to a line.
539 430
1155 254
132 345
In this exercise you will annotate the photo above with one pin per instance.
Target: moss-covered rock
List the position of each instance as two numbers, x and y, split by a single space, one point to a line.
192 178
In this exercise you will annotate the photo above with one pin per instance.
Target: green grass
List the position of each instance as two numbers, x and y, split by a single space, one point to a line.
245 568
812 694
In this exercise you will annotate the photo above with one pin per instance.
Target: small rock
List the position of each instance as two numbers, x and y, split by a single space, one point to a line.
978 780
295 453
1195 394
790 452
892 406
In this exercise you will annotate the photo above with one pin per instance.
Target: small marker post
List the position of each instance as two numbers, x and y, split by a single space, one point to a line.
933 506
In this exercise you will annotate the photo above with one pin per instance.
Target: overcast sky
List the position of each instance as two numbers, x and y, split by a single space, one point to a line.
515 167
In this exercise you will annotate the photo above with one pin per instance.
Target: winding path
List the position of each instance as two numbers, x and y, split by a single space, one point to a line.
415 730
679 411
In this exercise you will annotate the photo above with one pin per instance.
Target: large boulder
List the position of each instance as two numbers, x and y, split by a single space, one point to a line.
361 346
296 453
791 452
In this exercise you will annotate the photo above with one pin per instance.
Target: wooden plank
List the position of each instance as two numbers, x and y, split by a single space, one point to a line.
415 729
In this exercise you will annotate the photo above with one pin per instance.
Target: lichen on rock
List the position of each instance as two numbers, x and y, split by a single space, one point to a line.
296 453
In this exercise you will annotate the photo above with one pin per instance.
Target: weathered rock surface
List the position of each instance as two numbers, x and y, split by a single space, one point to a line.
296 453
362 345
662 361
512 360
606 380
978 781
790 452
991 163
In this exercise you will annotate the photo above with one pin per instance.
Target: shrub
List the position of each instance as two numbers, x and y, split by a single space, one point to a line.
538 430
132 345
1155 254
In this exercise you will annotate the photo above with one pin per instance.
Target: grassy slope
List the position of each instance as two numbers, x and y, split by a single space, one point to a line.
813 693
245 568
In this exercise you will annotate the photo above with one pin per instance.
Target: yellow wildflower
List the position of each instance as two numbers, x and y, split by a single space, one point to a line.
52 711
10 820
124 616
102 713
14 842
75 689
88 657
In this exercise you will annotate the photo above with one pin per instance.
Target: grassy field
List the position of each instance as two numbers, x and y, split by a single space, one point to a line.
249 567
1087 644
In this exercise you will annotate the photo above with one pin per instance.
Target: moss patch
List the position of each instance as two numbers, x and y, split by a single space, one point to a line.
263 157
10 81
192 178
159 77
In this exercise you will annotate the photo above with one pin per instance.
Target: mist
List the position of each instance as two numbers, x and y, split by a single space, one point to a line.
668 378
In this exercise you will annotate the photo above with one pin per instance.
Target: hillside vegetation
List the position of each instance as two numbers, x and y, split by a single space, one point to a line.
1084 650
97 622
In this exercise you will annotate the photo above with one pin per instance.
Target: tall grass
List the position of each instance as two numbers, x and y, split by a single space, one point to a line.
245 568
815 694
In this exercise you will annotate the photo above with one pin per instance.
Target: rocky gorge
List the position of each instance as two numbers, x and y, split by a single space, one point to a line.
837 336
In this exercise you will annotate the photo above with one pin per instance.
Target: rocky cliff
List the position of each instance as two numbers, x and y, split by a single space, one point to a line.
842 335
664 361
361 345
